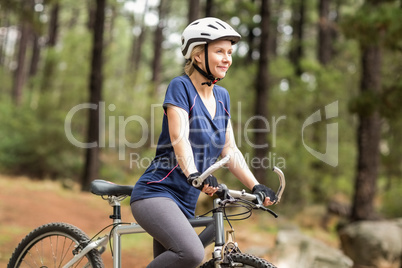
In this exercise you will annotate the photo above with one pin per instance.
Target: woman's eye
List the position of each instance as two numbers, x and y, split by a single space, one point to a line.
229 53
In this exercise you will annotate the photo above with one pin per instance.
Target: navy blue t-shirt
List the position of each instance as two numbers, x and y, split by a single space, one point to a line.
164 177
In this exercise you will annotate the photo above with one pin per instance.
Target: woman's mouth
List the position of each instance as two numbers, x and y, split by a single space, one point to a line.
223 68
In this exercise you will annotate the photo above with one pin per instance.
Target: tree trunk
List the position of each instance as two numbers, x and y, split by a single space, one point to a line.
209 8
158 39
91 169
50 61
19 73
276 8
53 25
325 33
33 69
368 137
296 51
261 102
193 10
136 50
91 15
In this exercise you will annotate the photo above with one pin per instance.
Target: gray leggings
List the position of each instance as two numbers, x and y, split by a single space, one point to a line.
176 244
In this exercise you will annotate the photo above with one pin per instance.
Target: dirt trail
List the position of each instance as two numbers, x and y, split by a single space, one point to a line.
25 205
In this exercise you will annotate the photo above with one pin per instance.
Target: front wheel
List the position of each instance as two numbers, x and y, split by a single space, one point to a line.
53 245
241 260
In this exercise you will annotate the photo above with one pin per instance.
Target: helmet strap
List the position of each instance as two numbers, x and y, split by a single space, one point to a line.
207 74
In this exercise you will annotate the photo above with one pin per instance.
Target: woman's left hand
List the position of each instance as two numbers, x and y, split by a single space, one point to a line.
270 196
268 202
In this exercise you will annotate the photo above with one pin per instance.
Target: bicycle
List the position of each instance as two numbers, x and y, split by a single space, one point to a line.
64 245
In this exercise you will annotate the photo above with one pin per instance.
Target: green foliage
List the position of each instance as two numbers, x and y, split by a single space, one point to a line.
35 145
375 24
33 140
391 199
365 104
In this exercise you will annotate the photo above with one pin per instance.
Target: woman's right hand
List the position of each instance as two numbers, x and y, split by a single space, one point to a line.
209 186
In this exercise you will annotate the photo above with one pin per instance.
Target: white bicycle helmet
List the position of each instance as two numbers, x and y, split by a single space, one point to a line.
205 30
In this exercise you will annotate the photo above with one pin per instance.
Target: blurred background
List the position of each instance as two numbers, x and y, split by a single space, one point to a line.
315 89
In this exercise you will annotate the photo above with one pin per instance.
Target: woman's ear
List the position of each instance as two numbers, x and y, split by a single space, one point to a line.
197 57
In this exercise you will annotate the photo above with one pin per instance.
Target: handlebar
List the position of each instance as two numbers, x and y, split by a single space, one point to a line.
223 191
240 194
198 181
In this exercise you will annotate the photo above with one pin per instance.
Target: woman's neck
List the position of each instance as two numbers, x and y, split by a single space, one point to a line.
205 91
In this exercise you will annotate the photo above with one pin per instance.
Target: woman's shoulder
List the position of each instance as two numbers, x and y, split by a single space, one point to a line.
182 79
180 85
179 93
221 91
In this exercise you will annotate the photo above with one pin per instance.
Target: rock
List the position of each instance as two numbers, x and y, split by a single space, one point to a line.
373 243
294 249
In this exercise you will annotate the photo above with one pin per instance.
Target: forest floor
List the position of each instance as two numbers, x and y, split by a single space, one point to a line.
27 204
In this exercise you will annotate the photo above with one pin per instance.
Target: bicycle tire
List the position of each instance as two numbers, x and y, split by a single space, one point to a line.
52 245
241 260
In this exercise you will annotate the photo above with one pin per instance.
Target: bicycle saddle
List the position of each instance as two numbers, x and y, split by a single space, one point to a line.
102 187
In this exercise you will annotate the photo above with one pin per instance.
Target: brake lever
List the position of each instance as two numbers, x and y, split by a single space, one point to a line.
224 195
270 211
223 191
259 201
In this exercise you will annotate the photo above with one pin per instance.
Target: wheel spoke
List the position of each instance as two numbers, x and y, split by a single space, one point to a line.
65 251
51 246
53 249
241 260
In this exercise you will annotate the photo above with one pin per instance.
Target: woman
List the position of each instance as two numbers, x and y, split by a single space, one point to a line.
196 130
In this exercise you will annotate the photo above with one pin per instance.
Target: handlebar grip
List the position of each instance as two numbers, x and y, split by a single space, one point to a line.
197 183
282 183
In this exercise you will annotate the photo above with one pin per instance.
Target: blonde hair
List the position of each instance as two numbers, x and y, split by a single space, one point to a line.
189 68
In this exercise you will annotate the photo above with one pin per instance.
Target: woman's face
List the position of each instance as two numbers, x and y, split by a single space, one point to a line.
219 57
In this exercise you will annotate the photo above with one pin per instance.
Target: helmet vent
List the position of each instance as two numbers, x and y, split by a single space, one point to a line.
204 31
221 24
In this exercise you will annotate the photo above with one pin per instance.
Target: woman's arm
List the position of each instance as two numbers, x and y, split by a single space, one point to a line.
237 164
179 135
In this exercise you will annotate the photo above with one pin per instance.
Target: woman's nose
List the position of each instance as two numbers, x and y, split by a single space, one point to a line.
226 58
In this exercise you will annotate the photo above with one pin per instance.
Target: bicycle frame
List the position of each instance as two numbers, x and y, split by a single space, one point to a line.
213 231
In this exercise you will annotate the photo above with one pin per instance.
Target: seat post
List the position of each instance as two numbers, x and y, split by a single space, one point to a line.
114 201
